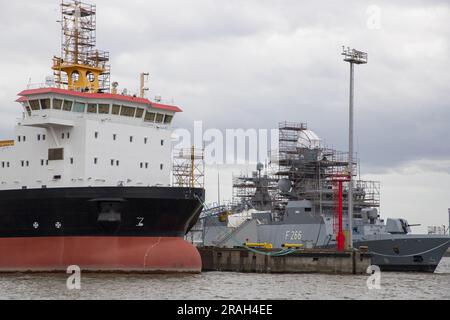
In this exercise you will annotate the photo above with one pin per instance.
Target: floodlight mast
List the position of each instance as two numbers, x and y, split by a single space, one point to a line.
353 57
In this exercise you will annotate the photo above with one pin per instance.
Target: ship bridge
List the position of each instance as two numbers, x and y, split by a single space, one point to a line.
55 107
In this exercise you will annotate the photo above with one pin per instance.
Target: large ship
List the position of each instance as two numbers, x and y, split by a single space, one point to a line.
86 180
297 202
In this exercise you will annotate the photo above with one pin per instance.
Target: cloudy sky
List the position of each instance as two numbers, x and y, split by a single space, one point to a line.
253 63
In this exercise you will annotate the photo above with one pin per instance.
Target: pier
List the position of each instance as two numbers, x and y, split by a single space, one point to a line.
300 261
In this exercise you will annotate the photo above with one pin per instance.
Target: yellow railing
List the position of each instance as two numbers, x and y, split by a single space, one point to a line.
292 245
258 245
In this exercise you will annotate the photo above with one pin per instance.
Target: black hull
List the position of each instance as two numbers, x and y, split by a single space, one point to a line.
99 211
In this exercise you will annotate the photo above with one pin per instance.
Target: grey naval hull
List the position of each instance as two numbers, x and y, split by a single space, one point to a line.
417 253
391 252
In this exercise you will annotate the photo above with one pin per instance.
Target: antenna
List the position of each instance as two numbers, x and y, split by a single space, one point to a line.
143 80
115 85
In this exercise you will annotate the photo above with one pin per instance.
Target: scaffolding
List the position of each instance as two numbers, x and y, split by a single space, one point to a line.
81 67
188 168
258 191
310 169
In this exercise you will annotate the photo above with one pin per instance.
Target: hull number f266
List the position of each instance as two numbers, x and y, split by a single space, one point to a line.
294 235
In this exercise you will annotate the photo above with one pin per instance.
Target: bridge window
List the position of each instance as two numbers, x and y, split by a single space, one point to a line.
159 118
57 104
79 107
103 108
45 104
139 113
115 109
67 105
145 140
150 116
127 111
92 108
35 105
168 119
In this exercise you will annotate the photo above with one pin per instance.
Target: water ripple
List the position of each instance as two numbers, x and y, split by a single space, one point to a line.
229 285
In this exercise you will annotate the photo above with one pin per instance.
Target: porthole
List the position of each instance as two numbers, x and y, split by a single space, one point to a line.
90 76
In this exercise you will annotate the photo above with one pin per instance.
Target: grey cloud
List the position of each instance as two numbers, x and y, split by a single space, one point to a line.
254 63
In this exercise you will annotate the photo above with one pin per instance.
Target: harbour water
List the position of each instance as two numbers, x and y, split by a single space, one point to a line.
228 285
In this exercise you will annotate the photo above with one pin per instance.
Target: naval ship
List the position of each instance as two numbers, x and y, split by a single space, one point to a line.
297 204
86 180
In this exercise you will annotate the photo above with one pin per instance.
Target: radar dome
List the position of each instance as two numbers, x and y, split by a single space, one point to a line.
308 139
285 185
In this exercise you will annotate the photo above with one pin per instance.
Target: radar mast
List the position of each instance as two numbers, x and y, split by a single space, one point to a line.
81 67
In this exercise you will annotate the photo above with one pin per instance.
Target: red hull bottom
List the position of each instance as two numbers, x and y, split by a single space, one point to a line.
124 254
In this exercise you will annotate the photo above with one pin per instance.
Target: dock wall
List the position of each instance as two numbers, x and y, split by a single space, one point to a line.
303 261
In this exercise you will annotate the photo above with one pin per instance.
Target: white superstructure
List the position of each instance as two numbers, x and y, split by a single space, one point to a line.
75 139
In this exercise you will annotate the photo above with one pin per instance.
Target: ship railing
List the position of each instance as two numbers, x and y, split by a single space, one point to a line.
42 85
